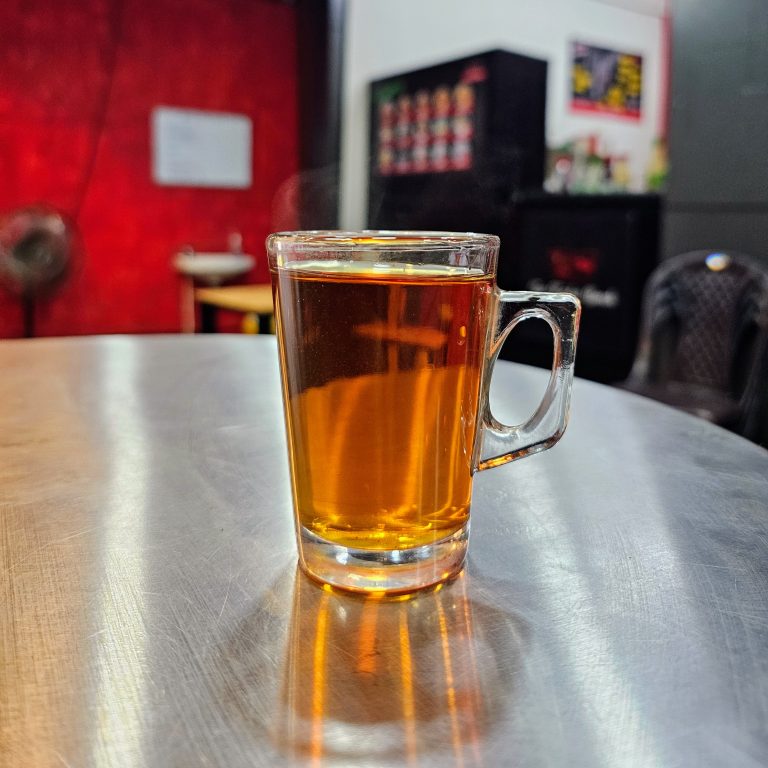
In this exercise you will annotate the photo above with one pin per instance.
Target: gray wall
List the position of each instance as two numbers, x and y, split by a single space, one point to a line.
718 183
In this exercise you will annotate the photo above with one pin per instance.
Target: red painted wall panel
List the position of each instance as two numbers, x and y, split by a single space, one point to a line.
78 82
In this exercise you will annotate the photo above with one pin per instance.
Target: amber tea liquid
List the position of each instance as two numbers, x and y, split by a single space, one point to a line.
381 376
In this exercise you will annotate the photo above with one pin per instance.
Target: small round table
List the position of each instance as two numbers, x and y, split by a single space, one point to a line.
254 302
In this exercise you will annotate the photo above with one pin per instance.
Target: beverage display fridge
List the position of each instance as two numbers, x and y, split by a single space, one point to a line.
451 145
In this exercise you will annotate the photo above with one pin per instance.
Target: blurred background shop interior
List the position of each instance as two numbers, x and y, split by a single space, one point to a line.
618 147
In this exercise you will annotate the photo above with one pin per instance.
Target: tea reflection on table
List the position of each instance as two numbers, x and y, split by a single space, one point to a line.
371 681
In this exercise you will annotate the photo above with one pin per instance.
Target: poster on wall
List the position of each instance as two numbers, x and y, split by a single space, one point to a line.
605 81
198 148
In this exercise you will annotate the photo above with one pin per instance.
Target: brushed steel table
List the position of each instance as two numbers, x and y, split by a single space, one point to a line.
614 611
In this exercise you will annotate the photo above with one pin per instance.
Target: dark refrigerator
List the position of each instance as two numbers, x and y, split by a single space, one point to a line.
452 145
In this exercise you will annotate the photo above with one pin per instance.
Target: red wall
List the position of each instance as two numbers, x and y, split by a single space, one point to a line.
78 82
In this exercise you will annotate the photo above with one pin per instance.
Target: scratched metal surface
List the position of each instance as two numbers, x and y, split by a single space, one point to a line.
614 612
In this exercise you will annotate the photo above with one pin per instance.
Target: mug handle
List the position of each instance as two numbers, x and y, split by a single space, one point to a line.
498 443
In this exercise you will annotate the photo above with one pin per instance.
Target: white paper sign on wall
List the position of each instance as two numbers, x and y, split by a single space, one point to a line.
193 148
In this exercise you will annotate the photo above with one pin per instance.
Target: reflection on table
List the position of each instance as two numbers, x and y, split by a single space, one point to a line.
374 681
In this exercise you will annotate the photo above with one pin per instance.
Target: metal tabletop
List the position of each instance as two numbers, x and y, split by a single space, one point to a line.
614 611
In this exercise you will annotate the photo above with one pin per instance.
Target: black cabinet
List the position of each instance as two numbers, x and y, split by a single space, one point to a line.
600 247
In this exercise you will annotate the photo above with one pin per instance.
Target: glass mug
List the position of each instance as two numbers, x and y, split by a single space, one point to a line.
386 344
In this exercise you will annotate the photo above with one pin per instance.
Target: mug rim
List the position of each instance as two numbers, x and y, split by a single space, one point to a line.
383 240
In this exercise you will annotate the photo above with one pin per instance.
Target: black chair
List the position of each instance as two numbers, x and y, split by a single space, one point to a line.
704 339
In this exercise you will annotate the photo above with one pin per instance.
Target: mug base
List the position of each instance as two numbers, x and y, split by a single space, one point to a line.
389 572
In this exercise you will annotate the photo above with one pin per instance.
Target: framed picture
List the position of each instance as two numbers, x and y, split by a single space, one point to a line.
606 81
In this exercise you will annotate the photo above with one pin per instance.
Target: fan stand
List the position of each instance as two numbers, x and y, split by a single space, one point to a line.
28 314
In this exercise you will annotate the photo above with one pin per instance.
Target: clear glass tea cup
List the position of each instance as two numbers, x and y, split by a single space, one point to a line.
387 342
